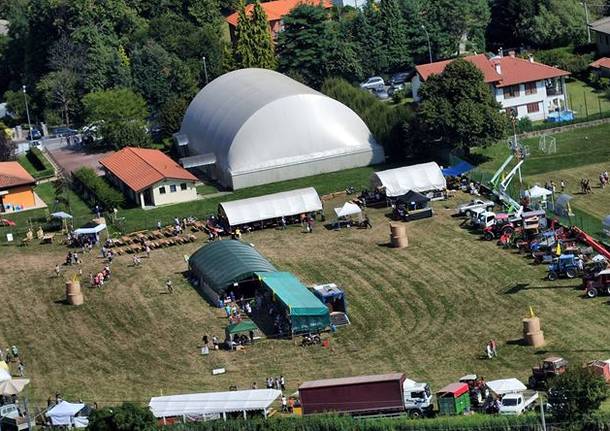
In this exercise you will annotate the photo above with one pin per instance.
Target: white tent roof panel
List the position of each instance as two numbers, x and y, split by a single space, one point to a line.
272 206
506 386
419 178
213 402
64 412
349 208
538 192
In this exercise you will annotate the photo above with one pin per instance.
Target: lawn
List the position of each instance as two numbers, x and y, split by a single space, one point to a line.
135 219
427 310
586 100
36 164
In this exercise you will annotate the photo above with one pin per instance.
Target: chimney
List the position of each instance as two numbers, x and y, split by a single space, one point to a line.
498 68
531 58
511 53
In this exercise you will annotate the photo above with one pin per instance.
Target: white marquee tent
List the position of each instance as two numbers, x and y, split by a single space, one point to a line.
506 386
538 192
423 177
64 414
213 403
293 202
348 209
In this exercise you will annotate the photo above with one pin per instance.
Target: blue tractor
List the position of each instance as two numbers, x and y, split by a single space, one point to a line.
566 265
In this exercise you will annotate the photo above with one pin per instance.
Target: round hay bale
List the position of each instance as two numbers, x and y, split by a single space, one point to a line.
535 339
76 299
399 241
531 324
398 229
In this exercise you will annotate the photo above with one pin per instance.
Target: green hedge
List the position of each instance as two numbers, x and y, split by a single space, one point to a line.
96 190
37 164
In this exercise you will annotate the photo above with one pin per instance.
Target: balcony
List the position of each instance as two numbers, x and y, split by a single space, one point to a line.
554 91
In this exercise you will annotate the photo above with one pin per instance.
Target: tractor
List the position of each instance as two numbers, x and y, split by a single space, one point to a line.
566 265
597 284
500 226
543 373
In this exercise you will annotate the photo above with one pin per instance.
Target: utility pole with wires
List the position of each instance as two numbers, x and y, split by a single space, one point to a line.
542 418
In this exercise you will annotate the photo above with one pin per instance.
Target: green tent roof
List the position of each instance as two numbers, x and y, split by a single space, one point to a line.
243 326
222 263
288 289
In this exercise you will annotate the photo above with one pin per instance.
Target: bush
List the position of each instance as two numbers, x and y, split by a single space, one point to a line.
524 125
125 417
565 58
576 393
37 164
97 190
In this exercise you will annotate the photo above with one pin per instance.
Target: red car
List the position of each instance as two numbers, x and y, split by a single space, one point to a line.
5 222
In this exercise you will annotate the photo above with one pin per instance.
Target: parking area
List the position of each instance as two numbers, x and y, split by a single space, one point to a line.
73 157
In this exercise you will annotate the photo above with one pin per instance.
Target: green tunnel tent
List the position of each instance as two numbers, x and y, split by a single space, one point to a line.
307 313
219 266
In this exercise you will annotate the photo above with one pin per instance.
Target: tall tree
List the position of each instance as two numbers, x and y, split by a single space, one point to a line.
558 23
509 22
458 109
60 89
243 50
576 393
302 46
393 36
367 39
7 146
264 52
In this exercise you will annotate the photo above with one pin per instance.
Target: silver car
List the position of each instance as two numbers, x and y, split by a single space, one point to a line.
373 83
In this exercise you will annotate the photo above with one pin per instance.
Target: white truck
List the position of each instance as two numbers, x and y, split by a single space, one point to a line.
518 403
513 395
11 419
475 204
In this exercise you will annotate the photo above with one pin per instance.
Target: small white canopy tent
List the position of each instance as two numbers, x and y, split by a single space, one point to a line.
506 386
423 177
4 375
268 207
213 404
64 414
538 192
90 230
348 209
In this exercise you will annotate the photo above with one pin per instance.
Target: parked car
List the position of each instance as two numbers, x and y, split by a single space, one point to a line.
373 83
61 132
381 93
468 207
518 403
34 134
399 78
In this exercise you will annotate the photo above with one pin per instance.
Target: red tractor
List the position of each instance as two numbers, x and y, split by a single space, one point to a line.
550 367
597 283
501 226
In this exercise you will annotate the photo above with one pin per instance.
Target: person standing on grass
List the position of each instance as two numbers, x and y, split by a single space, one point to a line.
493 345
282 383
21 369
284 404
147 250
254 385
169 285
489 351
562 184
57 270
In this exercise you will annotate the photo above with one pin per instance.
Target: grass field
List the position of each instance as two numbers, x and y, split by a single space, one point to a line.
584 99
427 310
581 153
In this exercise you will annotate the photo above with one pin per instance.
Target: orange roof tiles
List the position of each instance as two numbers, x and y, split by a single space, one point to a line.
12 174
480 61
140 168
275 10
601 62
513 70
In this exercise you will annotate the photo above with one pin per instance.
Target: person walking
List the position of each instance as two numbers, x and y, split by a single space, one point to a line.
282 383
489 351
284 404
57 270
283 223
21 369
170 286
562 185
493 345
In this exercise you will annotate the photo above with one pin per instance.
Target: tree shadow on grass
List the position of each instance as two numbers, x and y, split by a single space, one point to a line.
518 287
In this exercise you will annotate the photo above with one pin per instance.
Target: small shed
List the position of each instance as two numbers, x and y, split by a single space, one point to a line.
453 399
601 368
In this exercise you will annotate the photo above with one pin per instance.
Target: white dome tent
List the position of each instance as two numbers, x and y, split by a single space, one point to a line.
258 126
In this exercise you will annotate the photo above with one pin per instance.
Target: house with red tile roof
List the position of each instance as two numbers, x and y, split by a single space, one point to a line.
523 87
601 66
149 177
275 11
16 193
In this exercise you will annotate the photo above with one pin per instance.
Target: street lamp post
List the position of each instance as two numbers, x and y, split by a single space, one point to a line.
205 70
27 111
429 46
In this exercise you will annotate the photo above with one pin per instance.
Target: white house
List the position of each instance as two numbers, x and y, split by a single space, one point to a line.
524 87
149 177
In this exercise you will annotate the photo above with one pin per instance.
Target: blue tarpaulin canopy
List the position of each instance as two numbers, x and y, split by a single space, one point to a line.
457 170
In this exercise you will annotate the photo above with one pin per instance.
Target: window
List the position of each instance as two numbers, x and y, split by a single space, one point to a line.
172 188
530 88
512 91
533 107
162 190
512 111
183 186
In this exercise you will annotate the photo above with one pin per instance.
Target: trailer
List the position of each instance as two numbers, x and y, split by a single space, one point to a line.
453 399
367 395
